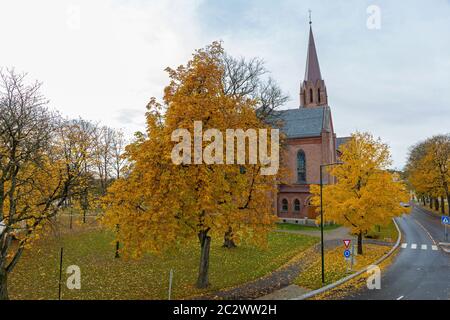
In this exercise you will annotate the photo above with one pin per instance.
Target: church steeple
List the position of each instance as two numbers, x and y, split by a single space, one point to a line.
312 72
313 91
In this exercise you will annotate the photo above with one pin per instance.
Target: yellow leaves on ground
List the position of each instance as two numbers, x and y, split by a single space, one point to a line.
336 267
103 277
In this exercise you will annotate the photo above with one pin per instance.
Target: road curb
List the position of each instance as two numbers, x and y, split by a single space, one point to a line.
354 275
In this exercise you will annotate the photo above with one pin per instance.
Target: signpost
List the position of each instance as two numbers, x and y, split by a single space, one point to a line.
347 243
445 221
170 283
352 262
60 272
347 252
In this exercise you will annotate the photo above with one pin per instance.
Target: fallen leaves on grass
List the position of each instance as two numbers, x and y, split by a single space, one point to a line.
336 267
354 285
103 277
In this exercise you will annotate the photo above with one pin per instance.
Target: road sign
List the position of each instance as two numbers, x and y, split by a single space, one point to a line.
347 253
347 242
445 221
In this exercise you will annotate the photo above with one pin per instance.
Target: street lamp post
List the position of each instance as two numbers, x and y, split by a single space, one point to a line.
321 218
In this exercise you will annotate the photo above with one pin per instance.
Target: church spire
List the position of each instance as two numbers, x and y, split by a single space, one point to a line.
313 92
312 72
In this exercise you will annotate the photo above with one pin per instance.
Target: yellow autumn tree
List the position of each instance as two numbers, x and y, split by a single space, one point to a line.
428 170
35 178
366 193
160 203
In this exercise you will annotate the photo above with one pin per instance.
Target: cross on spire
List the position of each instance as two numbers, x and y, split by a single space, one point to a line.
310 21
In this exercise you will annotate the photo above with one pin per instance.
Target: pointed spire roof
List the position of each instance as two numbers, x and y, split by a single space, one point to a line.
312 72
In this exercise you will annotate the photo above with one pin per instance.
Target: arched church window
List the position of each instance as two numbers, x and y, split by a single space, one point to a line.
310 95
284 205
301 166
318 95
297 205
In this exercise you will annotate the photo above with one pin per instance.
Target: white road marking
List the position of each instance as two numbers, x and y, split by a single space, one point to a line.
425 229
400 298
422 246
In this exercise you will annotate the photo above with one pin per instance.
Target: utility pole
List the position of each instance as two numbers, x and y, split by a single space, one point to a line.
322 251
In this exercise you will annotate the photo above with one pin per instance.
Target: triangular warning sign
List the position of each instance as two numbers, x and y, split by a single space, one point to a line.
347 242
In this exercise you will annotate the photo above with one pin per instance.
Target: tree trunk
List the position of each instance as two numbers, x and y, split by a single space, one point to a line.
117 254
436 204
360 245
3 284
228 239
442 205
205 242
85 204
431 203
448 204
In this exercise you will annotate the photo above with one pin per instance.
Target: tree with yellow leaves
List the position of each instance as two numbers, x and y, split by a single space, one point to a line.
365 194
35 178
161 203
428 170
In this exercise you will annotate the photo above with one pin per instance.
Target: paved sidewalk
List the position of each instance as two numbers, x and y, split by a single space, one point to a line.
278 284
273 282
286 293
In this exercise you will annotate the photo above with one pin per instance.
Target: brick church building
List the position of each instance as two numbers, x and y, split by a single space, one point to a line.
310 141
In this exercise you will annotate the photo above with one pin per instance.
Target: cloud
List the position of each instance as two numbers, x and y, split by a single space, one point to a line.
104 59
95 57
130 120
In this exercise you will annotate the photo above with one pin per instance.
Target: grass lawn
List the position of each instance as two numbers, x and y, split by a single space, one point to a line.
103 277
291 226
336 267
387 233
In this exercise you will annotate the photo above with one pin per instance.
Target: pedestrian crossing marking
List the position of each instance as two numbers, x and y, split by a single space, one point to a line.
421 246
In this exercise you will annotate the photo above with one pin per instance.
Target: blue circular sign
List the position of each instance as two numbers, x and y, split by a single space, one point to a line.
347 253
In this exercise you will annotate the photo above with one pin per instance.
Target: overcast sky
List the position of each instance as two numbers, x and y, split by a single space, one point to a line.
103 59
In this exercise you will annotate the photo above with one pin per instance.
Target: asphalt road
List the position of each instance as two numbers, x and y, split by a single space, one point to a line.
421 270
